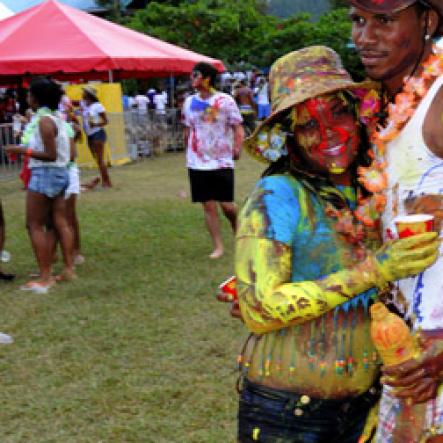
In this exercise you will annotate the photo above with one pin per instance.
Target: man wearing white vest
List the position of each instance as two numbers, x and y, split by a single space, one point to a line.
395 41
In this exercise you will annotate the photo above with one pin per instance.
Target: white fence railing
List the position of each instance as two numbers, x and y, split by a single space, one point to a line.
10 165
153 133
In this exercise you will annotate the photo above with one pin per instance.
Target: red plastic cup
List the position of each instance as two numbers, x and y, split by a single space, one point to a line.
408 225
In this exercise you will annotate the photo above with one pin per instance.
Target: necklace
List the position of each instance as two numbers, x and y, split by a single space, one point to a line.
363 222
374 177
33 124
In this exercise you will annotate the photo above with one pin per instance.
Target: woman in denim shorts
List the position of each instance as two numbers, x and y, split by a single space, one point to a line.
94 121
48 147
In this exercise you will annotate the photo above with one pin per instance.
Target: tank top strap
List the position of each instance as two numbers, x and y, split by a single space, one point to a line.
422 109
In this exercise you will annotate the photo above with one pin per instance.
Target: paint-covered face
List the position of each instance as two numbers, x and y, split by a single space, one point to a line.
389 44
327 132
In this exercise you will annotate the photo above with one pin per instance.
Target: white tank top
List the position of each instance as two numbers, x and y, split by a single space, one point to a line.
413 170
62 144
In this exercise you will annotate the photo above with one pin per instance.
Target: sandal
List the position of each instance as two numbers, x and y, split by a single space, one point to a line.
79 260
5 339
37 287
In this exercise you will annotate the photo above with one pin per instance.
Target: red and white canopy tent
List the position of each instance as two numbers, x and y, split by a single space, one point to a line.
5 12
54 39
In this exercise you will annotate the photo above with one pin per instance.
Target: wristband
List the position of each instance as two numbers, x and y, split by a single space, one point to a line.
28 152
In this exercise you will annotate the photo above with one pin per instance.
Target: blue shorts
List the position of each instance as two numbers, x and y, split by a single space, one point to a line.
49 181
99 136
263 111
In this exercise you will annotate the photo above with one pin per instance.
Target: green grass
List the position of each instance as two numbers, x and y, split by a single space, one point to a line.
137 349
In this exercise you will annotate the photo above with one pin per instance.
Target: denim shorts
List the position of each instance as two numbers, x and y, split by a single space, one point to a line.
49 181
274 416
99 136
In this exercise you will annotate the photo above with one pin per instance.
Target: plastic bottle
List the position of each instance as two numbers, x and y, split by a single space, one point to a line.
395 344
391 336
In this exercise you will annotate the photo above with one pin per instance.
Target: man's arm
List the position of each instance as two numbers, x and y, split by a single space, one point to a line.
239 135
433 125
185 136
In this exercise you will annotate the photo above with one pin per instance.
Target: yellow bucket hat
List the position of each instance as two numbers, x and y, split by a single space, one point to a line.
294 78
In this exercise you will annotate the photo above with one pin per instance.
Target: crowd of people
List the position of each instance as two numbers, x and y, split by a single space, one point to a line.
142 102
315 242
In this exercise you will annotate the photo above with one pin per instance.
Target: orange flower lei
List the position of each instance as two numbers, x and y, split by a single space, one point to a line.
374 177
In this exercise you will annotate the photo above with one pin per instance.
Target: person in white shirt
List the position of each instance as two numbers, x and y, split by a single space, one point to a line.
160 102
141 102
94 121
262 94
213 135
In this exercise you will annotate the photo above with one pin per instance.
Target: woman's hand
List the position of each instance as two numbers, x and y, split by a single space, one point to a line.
235 310
402 258
14 149
419 380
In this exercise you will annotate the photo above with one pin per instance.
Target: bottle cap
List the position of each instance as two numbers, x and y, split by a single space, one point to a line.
378 311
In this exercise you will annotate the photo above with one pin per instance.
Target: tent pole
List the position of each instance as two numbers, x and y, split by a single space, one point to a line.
111 79
171 90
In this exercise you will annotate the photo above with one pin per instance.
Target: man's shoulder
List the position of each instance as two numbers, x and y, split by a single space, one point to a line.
188 100
224 97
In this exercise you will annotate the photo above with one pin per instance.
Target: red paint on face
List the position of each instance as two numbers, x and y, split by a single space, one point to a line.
325 117
328 133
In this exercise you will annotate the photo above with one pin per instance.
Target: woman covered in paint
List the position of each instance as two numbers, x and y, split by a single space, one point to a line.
307 269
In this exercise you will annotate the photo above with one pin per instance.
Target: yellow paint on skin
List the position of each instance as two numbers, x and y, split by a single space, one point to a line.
205 83
336 170
308 141
301 115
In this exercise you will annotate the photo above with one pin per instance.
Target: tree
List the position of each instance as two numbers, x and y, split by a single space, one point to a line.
240 31
285 8
339 4
224 29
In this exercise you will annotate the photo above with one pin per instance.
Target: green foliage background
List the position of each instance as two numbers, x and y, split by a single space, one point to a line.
235 31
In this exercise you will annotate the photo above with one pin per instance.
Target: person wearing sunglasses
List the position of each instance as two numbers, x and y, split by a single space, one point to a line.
213 136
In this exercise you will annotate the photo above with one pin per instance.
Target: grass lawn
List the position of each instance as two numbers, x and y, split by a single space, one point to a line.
137 349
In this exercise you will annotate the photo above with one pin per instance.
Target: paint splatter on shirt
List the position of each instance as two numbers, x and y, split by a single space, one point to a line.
211 121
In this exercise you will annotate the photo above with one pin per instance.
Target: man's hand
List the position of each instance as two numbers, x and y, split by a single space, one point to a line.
239 135
431 204
419 380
